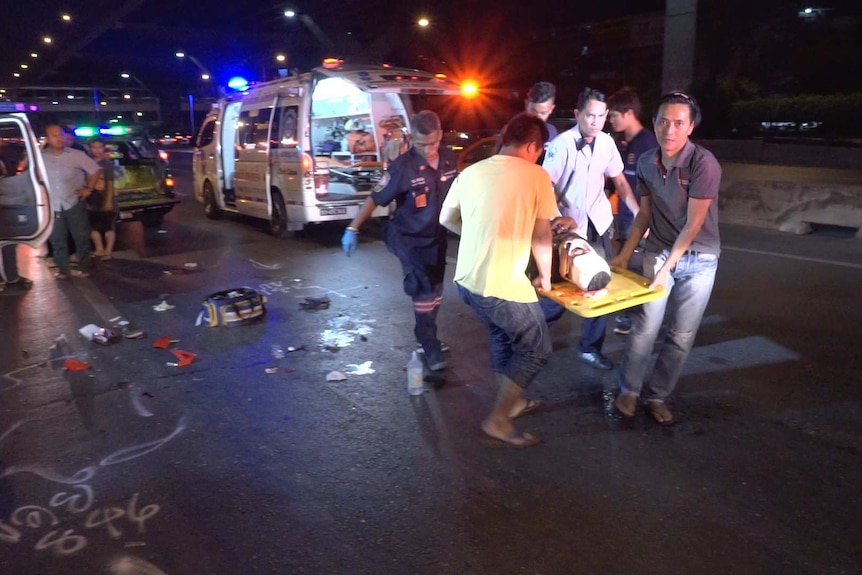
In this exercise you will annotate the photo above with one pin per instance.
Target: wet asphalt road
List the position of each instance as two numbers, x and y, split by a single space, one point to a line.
138 467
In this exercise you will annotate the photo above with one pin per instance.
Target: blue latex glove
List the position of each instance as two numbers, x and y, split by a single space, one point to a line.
349 241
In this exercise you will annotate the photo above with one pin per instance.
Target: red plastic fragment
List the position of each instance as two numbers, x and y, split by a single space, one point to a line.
184 358
73 364
163 342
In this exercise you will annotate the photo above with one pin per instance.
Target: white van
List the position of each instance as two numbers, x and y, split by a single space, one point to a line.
309 148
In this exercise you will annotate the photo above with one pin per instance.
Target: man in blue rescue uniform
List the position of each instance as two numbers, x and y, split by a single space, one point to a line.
417 181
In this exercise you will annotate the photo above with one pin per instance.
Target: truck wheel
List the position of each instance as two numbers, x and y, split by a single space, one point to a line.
278 221
152 220
211 208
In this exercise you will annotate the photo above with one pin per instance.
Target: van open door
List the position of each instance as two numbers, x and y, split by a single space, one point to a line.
25 208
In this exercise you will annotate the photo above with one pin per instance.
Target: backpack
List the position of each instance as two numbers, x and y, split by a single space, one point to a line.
232 307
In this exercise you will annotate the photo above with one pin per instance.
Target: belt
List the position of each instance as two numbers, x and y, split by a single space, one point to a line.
691 253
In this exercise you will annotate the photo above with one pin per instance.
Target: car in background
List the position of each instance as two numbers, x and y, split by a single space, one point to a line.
142 176
483 144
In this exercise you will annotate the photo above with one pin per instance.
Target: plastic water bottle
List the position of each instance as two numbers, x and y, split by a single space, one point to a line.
415 385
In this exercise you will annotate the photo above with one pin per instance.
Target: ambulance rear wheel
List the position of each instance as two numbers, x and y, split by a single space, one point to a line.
278 220
211 209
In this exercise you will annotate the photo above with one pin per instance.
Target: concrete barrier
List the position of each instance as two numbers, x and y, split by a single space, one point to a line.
790 198
789 186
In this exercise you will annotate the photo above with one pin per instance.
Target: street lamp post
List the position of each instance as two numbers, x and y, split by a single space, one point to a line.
130 76
205 75
312 26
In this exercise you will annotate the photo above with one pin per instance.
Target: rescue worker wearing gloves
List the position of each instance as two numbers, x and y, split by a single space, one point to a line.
418 182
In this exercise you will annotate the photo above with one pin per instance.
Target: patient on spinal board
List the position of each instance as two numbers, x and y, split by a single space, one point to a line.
580 264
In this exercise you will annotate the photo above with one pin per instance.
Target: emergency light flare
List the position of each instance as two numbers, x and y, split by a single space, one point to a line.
470 89
423 22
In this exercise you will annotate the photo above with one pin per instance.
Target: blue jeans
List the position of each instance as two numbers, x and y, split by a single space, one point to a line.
687 293
520 342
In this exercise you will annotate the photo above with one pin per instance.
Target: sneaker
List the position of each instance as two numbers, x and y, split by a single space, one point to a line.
596 360
623 329
624 326
19 285
438 366
444 347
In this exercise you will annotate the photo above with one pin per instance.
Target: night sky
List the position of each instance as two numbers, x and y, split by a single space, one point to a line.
109 36
746 48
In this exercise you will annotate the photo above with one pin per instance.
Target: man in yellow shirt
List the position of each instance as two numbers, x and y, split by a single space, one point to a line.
502 207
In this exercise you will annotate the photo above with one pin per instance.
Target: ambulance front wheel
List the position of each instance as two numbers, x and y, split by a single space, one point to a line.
278 220
211 208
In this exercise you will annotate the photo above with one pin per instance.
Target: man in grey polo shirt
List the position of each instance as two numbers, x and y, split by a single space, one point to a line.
72 176
678 183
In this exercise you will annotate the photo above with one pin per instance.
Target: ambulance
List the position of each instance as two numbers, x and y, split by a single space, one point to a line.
25 205
310 148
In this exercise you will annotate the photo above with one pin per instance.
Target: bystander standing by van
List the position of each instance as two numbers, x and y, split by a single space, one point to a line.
104 210
72 176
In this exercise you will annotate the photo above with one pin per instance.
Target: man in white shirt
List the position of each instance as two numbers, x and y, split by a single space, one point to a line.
578 161
72 176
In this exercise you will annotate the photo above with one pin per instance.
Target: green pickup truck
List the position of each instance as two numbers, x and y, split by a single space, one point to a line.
142 177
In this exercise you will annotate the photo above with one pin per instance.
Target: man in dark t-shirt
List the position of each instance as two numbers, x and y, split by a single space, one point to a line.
632 140
679 185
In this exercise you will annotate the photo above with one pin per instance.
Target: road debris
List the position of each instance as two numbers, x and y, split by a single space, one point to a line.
73 364
164 306
261 266
335 376
184 358
360 369
164 342
315 303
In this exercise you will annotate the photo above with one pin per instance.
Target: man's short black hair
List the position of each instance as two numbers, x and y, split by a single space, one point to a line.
523 129
590 94
425 122
680 98
57 124
623 100
541 92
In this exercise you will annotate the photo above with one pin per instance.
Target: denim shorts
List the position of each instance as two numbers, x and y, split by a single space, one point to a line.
520 342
